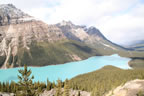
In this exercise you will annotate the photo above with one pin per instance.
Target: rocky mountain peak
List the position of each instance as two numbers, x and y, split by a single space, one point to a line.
7 6
64 23
9 14
80 32
94 31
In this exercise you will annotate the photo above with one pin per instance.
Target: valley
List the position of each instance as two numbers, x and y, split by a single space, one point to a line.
54 53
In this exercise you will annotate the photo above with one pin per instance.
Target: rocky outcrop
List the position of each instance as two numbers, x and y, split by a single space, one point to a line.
7 94
131 88
72 93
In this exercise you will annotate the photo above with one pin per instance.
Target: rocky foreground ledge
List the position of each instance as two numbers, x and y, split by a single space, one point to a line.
72 93
131 88
7 94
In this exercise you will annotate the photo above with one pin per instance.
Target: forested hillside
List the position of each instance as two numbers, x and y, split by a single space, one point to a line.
102 81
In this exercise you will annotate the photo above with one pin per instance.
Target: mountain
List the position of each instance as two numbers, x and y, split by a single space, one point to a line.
26 40
95 39
137 45
90 36
135 42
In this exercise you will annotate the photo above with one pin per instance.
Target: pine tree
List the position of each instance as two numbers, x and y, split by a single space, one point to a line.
3 87
7 87
42 85
49 85
12 87
39 90
0 86
66 88
53 85
25 81
58 89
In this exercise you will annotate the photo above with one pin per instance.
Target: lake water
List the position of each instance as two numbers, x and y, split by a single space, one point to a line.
67 70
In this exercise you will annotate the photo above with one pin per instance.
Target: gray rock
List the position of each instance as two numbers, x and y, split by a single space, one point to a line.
131 88
7 94
72 92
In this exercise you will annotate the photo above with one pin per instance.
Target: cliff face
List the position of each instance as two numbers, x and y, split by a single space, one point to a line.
15 36
18 30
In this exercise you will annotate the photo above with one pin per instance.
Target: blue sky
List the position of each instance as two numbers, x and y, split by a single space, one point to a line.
142 1
121 21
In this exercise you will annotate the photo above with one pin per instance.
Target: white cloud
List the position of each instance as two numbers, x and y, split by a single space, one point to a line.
127 27
123 29
119 20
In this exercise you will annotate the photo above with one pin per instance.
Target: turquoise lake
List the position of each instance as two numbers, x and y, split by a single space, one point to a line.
67 70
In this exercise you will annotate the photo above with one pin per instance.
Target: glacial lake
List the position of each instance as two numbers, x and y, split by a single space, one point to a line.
67 70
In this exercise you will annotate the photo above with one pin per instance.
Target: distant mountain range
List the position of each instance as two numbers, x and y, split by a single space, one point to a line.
26 40
137 45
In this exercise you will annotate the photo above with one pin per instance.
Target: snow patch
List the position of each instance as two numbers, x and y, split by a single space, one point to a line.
109 46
